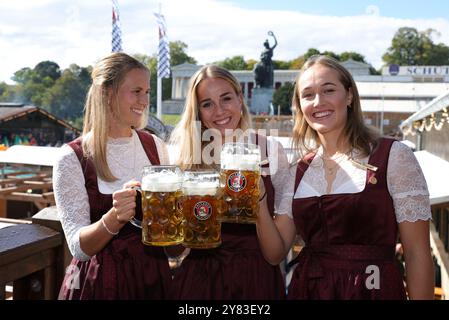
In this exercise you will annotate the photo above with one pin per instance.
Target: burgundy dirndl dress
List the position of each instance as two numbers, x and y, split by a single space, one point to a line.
349 240
236 270
125 268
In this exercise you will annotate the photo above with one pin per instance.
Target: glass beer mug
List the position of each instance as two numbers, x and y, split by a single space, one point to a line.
240 173
161 213
201 207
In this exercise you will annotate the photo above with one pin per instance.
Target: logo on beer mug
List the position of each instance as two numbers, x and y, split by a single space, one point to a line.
236 182
202 210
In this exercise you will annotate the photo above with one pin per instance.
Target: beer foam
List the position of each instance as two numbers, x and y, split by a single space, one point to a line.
247 162
200 189
162 182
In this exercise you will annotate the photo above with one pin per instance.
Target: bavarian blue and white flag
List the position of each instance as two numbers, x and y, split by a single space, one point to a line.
116 31
163 56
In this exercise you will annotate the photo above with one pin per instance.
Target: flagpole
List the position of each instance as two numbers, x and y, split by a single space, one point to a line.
163 60
159 98
159 87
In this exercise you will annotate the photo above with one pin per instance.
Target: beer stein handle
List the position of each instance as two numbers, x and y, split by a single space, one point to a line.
136 222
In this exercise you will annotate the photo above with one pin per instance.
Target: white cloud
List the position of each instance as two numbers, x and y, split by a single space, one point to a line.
79 31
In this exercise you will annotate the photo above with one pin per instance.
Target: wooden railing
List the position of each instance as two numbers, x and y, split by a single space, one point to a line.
33 256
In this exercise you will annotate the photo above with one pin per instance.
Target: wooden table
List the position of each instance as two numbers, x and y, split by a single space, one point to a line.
28 258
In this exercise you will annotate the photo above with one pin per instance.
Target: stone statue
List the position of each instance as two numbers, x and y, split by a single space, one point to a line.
263 70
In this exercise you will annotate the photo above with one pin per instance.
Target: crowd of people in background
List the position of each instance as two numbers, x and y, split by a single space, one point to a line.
28 139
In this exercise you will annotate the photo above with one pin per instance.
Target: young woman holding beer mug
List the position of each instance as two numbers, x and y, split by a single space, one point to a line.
92 184
354 191
237 268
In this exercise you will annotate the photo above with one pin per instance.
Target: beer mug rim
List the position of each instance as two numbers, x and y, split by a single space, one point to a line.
201 172
165 166
249 145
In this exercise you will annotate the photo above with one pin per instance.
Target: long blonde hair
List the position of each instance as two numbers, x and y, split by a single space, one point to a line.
359 136
186 135
107 76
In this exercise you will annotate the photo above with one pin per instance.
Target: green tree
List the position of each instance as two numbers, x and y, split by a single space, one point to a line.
250 64
439 55
310 52
283 98
297 63
352 55
67 96
8 93
48 69
34 83
178 54
411 47
331 54
281 65
234 63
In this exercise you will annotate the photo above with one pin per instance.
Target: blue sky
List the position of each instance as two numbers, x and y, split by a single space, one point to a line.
406 9
79 31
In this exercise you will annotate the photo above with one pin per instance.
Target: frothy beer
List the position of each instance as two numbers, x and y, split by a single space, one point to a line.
201 206
162 216
240 173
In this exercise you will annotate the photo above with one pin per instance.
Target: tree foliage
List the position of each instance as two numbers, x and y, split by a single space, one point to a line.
283 98
234 63
67 96
178 54
414 48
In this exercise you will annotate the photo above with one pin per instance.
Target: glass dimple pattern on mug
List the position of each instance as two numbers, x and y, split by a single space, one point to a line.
202 207
239 175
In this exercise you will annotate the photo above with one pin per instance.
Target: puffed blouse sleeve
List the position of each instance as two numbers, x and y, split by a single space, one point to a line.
71 199
280 178
407 185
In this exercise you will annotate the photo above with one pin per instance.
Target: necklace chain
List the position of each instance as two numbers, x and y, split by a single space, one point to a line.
331 169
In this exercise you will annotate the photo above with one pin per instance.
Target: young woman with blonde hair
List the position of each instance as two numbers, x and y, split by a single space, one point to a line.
215 112
353 192
92 183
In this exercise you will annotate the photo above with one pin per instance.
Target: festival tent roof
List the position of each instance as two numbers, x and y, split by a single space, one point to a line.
30 155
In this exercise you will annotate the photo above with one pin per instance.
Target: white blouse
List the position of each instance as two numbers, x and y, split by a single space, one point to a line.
406 183
125 156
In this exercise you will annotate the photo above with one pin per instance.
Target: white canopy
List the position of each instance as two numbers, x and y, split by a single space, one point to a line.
436 172
32 155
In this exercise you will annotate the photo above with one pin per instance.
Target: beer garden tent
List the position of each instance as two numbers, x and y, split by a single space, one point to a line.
16 118
26 173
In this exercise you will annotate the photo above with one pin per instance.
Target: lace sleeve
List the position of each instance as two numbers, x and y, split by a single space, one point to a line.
161 150
407 185
280 178
71 199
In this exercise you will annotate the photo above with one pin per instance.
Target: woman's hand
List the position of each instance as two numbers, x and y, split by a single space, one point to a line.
124 202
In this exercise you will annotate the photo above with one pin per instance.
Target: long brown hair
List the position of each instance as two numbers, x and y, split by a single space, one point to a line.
186 135
107 76
359 136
